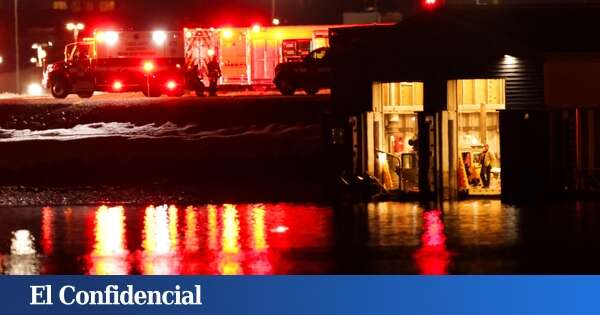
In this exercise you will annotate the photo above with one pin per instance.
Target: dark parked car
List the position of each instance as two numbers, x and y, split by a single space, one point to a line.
311 74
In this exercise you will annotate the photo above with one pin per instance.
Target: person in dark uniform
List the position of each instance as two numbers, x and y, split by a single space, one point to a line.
214 73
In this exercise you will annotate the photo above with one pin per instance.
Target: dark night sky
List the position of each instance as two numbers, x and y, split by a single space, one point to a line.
238 12
173 14
245 12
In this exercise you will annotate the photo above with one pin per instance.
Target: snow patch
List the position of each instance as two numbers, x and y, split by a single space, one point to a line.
150 131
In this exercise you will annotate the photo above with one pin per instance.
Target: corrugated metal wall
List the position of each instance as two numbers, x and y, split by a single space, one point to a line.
524 83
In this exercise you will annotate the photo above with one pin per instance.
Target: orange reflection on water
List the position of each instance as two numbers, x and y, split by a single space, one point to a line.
231 230
160 239
485 222
47 227
433 258
109 255
212 227
229 262
260 261
191 240
173 221
258 227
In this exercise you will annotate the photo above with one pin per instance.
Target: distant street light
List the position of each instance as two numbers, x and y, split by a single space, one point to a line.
40 52
276 21
75 28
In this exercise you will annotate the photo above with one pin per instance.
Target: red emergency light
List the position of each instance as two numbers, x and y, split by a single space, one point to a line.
431 4
148 66
171 85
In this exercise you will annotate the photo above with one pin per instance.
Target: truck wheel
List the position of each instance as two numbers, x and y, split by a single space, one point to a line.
176 93
86 94
152 92
286 87
311 90
59 88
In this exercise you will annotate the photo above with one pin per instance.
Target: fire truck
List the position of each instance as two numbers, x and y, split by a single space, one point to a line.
151 62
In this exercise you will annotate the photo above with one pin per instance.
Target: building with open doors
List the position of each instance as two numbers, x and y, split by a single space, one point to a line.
428 103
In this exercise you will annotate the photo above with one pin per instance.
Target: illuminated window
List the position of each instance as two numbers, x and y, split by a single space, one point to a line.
60 5
393 97
472 93
106 5
319 54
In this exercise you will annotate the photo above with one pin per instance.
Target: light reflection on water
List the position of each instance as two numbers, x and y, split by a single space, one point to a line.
392 223
23 258
482 223
432 258
109 254
262 238
228 239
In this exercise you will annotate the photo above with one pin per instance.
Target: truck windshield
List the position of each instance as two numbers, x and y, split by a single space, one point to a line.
78 51
318 54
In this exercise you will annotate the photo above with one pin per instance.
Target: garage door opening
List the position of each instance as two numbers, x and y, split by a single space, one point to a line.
395 126
479 162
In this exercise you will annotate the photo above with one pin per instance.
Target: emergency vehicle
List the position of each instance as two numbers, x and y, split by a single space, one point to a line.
119 61
168 62
311 74
249 55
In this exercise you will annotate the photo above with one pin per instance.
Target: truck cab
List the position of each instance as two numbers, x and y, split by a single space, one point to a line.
73 74
311 74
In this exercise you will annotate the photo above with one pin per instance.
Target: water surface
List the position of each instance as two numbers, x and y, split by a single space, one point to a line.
474 236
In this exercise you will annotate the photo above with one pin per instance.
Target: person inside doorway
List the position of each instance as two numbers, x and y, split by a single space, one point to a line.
486 161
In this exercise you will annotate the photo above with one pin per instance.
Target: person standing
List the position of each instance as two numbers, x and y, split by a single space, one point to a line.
486 159
214 73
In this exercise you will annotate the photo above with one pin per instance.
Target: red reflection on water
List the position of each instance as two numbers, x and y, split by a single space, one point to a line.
47 231
228 239
109 255
433 258
229 257
260 260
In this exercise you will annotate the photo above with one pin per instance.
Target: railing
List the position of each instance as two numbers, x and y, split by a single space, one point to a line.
393 163
389 155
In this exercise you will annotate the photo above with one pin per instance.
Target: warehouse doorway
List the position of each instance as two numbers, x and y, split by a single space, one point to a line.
395 131
477 103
